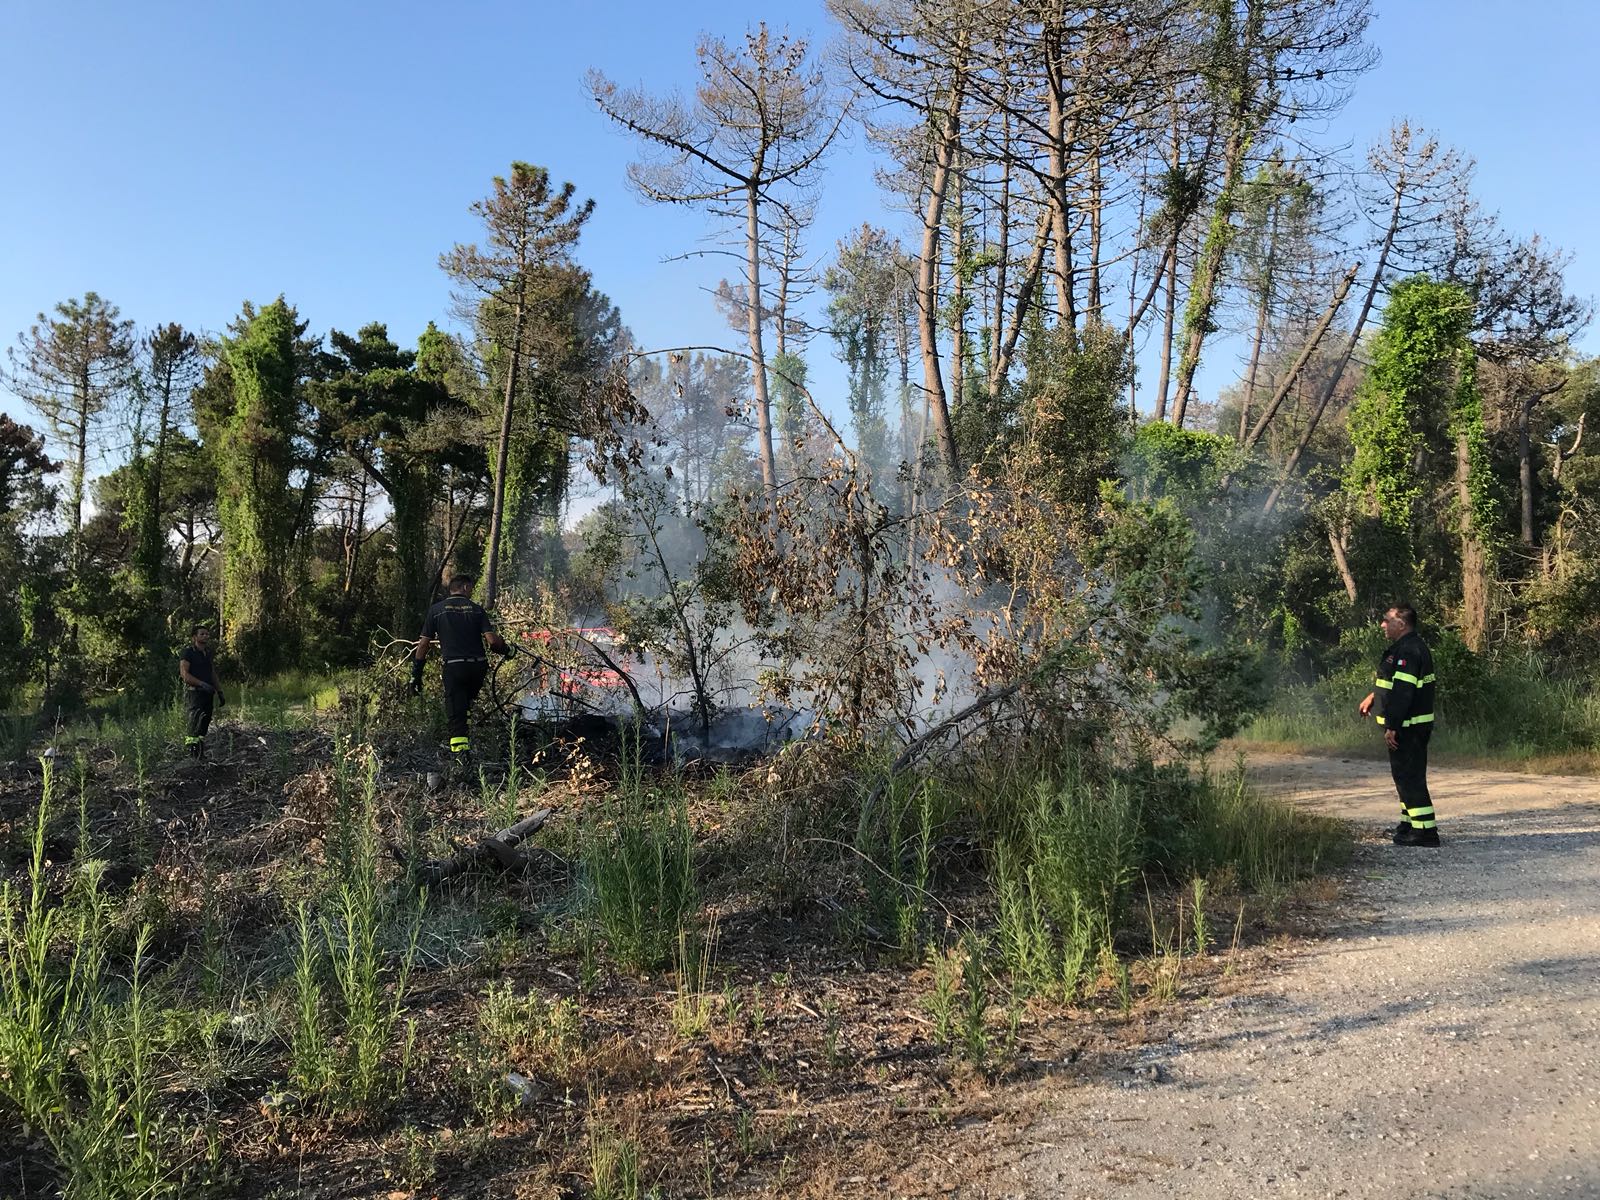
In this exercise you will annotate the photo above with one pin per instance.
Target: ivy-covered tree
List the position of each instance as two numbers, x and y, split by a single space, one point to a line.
254 424
1418 434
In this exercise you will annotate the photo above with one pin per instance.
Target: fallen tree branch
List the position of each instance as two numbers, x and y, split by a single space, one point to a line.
916 747
498 850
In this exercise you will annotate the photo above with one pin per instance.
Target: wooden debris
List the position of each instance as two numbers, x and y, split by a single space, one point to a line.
498 850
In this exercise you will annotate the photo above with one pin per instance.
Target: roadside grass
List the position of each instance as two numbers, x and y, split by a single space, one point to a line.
754 963
1508 714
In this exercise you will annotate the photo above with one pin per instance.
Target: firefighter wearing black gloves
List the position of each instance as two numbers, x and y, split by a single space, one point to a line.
460 627
1402 702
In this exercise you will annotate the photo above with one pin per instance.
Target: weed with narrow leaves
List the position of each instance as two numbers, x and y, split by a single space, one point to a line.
82 848
945 967
894 844
1201 929
613 1165
1064 854
1233 948
530 1030
692 1000
639 870
77 1057
308 1042
975 996
744 1132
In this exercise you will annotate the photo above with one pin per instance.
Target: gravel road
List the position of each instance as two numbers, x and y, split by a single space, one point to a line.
1444 1043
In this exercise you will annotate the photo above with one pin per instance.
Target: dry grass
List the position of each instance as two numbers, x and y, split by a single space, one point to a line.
791 1039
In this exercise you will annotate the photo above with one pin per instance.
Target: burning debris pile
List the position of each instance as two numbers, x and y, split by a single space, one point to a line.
880 611
590 679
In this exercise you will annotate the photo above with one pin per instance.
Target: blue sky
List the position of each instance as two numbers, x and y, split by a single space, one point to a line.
181 158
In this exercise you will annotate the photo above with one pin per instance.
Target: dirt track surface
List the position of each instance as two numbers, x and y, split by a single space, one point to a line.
1444 1043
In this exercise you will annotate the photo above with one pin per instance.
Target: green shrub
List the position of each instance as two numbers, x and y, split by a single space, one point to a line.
1202 824
638 871
1065 851
894 842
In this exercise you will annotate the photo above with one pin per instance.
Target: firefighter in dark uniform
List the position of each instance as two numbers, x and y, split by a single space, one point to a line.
460 627
1402 702
200 689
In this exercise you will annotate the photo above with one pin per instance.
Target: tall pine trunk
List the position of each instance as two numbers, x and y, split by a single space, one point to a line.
758 360
491 570
1474 557
928 278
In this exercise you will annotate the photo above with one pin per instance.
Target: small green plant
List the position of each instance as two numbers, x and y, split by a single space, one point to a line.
744 1132
1233 948
613 1164
1166 954
370 1017
77 1052
832 1027
213 940
945 967
692 1001
418 1163
308 1043
975 994
1044 954
349 1002
1064 855
732 1005
639 869
80 765
1166 971
531 1030
1201 930
894 845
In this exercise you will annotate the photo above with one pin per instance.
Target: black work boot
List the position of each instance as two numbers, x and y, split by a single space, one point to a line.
1410 835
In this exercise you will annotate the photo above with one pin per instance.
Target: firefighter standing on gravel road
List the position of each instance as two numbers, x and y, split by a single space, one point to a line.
460 627
1402 702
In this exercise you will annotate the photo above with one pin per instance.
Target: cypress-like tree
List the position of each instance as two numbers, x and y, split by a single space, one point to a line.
256 507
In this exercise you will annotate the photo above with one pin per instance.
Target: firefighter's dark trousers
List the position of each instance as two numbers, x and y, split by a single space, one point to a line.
463 680
197 704
1409 766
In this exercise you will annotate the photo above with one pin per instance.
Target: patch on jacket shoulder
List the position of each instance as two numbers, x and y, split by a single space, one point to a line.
1400 663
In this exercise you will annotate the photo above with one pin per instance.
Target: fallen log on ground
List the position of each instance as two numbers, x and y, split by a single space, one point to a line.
497 851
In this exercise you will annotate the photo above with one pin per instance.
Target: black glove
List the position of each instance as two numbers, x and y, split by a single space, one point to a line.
504 649
416 676
221 699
